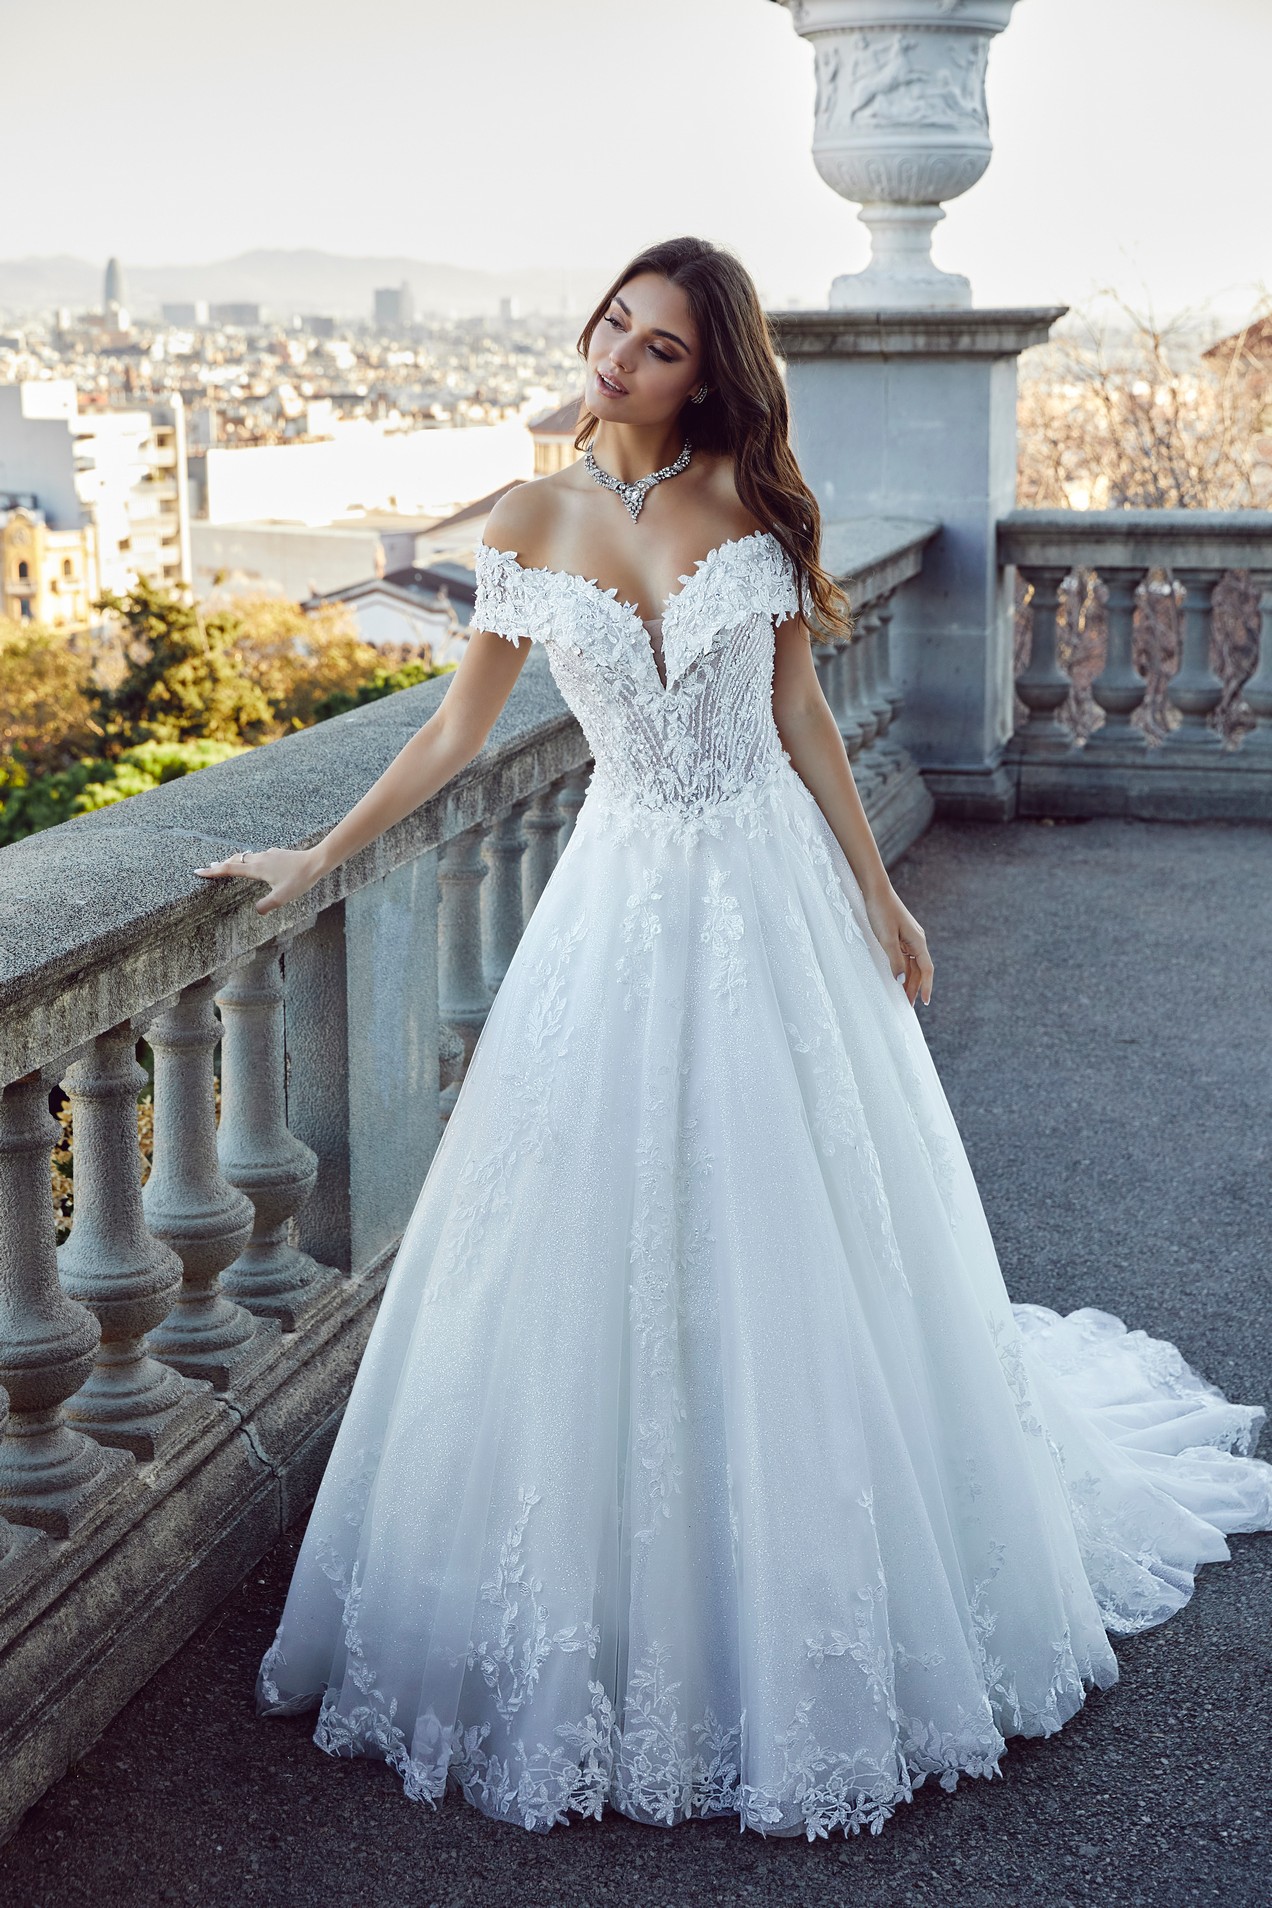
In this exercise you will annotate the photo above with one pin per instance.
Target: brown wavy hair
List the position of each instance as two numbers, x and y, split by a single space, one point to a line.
745 413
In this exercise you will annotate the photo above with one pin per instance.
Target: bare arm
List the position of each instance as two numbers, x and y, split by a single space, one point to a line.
448 741
810 735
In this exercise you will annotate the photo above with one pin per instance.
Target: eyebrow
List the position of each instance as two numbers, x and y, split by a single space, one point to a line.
657 333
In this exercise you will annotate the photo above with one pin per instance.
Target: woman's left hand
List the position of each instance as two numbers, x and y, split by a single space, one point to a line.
903 941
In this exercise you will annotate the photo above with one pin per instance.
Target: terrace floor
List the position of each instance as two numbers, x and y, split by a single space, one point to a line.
1101 1022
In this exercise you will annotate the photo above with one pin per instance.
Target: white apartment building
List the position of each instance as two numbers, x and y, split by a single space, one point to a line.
364 465
123 472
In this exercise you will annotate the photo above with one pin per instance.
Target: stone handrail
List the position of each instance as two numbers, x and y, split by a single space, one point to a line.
101 916
1192 770
174 1373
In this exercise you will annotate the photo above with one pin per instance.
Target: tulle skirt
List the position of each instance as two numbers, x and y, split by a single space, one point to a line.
698 1462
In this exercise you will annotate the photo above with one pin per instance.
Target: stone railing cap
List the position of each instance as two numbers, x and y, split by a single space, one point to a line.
871 556
103 915
1224 539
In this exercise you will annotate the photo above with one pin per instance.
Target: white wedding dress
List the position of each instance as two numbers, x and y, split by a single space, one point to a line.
698 1462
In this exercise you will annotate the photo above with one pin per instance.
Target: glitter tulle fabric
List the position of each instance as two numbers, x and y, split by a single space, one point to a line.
698 1462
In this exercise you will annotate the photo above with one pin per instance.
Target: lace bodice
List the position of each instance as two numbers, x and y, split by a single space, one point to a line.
667 752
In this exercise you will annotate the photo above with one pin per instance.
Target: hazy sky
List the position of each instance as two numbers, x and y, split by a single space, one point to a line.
1131 139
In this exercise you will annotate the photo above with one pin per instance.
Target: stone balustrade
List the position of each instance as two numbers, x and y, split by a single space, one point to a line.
873 558
1149 564
172 1376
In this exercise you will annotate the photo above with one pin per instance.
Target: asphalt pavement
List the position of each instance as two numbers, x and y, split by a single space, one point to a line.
1102 1020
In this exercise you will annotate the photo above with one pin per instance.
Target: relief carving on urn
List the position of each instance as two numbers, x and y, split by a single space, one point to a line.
900 125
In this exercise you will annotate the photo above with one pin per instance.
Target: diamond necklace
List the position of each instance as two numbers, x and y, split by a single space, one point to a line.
634 493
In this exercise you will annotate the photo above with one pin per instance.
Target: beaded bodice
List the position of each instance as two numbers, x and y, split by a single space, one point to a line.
702 738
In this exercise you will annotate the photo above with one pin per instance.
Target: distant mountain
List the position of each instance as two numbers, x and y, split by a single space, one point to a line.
302 281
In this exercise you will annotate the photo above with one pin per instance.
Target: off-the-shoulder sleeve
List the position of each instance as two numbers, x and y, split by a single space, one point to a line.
752 576
783 594
501 602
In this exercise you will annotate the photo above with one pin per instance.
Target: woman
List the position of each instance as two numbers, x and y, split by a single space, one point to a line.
697 1462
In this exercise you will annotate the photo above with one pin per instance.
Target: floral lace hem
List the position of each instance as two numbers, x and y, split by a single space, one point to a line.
660 1772
599 1766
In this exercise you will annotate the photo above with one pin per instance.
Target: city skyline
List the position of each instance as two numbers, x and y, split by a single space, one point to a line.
1117 141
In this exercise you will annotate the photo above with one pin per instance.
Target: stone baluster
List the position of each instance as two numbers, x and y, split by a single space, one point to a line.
858 671
876 702
1042 685
571 789
51 1475
542 826
258 1152
889 688
867 767
189 1203
1258 690
463 996
1119 688
830 660
111 1262
502 917
1195 690
854 716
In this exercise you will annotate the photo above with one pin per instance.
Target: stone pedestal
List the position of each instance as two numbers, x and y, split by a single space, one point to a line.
913 414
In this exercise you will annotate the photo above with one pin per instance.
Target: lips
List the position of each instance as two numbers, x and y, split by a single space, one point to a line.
611 386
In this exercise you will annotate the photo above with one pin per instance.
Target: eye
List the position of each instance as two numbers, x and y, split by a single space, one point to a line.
668 357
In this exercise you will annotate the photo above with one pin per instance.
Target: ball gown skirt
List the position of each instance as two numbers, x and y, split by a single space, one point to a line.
698 1463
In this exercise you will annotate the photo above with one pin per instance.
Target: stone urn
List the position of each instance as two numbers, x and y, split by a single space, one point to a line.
901 124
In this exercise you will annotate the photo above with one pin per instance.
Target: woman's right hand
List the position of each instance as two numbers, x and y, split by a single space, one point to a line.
289 872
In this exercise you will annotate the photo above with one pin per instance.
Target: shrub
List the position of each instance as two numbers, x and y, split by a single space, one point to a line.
384 682
45 800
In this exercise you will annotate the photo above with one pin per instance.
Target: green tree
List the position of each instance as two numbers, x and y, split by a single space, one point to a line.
298 657
182 680
383 682
41 802
46 700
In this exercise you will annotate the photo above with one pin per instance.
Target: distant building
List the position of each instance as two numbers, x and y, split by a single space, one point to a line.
244 315
455 537
509 307
114 303
395 307
122 472
1245 359
291 560
319 324
412 605
553 436
364 464
46 576
190 311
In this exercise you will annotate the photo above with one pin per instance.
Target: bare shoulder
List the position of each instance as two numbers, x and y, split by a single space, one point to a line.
720 482
524 517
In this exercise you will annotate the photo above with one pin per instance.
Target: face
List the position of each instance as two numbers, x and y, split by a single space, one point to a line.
645 356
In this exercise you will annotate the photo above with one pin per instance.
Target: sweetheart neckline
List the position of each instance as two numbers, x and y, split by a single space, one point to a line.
664 684
593 583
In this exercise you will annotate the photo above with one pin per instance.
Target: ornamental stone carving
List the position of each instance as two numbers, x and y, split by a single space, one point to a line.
900 125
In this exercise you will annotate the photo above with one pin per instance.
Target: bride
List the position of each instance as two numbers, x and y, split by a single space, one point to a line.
698 1462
